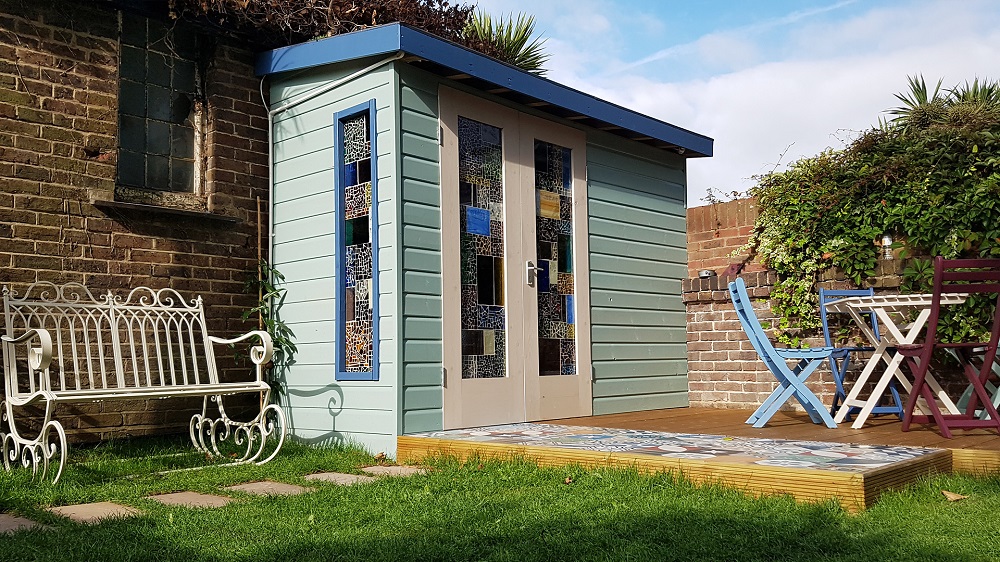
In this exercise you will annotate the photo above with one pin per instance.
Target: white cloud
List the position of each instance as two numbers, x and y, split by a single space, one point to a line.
805 80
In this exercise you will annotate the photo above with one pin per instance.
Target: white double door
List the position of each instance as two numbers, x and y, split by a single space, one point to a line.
516 306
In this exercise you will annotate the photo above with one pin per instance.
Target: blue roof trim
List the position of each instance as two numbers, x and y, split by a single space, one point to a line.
397 37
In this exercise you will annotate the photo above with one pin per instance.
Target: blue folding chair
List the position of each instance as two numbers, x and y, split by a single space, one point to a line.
840 361
791 382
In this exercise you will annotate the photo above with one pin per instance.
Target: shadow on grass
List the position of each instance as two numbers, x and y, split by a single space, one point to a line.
488 510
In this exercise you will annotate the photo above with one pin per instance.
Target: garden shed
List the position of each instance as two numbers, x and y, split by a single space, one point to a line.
466 243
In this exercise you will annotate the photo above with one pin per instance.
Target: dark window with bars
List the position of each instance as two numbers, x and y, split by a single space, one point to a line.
158 89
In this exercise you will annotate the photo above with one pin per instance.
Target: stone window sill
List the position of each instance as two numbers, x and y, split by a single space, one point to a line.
159 209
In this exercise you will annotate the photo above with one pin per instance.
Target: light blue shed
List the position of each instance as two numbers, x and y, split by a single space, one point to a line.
465 243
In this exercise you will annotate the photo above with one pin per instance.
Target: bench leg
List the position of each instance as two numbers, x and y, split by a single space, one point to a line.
251 437
38 453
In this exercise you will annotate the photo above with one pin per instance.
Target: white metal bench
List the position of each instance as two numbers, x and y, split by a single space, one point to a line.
61 344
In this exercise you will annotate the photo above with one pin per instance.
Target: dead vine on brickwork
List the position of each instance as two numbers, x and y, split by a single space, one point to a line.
283 22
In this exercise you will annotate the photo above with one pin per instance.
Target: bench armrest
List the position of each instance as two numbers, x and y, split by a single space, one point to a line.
259 354
40 357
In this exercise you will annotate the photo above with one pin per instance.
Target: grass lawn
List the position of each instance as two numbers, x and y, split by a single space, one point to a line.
487 510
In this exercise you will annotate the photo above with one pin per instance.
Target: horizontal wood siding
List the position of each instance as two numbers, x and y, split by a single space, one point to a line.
637 262
319 408
421 237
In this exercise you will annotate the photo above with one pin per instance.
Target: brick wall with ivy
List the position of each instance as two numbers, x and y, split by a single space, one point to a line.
61 212
723 369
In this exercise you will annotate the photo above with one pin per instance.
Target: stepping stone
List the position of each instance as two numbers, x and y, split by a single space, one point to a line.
191 499
339 478
88 513
12 524
269 488
394 470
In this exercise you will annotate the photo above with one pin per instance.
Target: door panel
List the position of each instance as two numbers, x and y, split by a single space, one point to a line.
477 239
558 381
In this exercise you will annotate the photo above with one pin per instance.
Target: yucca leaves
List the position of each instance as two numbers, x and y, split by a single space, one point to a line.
507 39
972 104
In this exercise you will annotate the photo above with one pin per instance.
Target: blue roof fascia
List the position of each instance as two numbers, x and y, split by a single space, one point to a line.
397 37
373 41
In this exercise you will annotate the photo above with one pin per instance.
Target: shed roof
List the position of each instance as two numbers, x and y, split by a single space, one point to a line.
473 69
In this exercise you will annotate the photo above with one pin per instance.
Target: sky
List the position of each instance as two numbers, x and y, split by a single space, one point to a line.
772 81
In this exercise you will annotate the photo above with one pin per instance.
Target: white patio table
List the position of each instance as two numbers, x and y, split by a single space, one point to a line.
891 311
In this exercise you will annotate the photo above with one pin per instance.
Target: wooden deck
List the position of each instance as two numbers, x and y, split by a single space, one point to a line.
973 451
976 451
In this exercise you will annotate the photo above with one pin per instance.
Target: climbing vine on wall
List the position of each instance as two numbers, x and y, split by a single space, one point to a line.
929 177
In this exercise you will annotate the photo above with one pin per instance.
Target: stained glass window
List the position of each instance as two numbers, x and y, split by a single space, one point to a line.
554 279
480 177
357 291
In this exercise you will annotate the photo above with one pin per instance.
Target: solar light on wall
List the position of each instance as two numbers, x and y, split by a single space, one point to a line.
887 246
706 273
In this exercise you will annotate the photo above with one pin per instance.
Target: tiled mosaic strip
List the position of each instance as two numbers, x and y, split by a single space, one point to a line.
555 281
482 249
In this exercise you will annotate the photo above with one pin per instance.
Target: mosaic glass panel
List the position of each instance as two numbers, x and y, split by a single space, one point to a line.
554 280
480 193
357 251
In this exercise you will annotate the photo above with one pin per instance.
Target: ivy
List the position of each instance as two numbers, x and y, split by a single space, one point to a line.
266 283
933 184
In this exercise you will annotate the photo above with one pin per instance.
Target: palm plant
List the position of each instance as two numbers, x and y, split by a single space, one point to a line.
508 40
920 109
973 104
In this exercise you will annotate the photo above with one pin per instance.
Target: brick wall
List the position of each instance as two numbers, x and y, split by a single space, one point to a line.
58 149
715 231
724 371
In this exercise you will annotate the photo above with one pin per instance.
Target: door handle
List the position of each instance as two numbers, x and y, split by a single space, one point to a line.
530 273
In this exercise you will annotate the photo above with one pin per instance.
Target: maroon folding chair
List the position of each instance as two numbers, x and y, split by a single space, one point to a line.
973 276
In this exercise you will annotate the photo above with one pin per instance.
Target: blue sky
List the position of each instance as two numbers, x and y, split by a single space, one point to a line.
770 80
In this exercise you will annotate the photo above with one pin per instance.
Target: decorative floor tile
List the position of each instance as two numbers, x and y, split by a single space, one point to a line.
818 455
12 523
393 470
339 478
191 499
87 513
269 488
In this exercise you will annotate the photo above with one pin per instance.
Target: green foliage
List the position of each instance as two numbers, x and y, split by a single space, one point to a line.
507 40
930 178
265 282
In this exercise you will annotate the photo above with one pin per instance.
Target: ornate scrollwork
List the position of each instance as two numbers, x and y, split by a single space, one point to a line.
250 438
162 298
35 454
46 291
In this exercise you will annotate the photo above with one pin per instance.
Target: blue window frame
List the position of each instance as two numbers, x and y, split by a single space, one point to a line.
357 243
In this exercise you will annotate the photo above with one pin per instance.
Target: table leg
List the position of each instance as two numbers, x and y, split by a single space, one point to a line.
852 396
876 394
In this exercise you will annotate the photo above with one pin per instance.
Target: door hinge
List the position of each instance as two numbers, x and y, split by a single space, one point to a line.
444 377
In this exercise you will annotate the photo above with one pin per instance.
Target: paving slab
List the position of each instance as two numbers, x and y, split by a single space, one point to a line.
12 523
269 488
382 470
191 499
88 513
339 478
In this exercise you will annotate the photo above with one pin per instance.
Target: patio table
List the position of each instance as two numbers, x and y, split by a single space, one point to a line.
891 311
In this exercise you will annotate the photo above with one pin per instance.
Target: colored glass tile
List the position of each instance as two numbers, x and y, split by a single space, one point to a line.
548 357
477 221
356 231
547 204
542 276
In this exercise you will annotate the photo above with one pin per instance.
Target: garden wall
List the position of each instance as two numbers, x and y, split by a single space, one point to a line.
62 218
723 369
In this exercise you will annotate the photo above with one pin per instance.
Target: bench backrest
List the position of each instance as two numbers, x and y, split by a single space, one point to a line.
150 338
